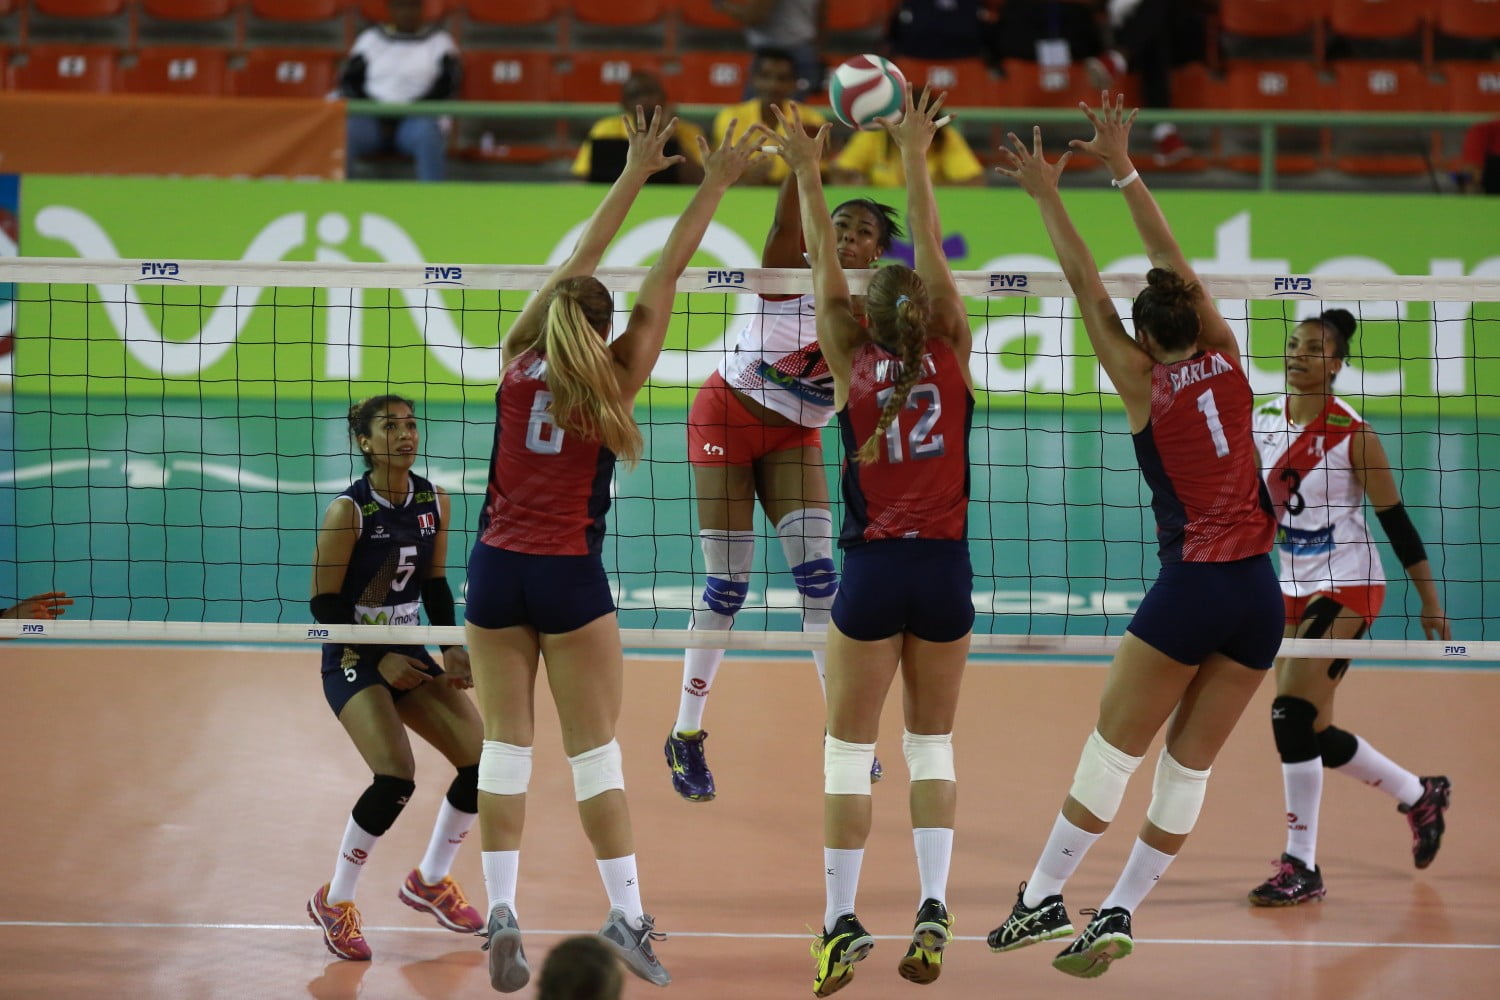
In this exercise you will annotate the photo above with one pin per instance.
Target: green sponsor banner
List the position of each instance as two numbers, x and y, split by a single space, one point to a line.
334 343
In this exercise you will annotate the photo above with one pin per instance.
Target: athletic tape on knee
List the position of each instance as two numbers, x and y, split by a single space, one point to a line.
727 556
807 541
597 771
929 757
504 769
1176 795
1103 772
846 766
381 803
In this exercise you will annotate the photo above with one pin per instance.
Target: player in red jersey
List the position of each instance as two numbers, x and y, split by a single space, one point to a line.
905 402
537 586
1208 629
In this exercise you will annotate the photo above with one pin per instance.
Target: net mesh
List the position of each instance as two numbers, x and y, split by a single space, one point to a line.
176 429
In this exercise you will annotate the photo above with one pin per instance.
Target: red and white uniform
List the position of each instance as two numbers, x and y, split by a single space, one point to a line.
918 487
776 362
548 490
1197 456
1324 541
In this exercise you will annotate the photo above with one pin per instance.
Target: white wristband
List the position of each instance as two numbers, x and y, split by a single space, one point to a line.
1127 180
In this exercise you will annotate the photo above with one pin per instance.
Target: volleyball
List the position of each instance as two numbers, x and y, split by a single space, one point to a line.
866 88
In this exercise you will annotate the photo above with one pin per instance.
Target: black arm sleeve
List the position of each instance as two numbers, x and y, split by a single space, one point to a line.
437 600
332 609
446 84
352 78
1403 535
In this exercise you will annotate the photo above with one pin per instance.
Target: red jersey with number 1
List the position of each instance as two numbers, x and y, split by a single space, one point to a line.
918 486
1198 455
549 489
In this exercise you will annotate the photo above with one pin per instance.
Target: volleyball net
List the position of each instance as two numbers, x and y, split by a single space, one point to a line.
175 429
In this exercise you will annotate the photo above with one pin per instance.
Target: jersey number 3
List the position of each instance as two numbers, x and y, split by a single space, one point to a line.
543 436
923 443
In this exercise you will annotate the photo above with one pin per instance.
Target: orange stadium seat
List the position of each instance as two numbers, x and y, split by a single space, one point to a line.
518 75
297 10
1028 85
1376 18
1382 85
178 70
857 15
596 75
710 78
1194 86
81 68
1472 85
1468 18
79 8
706 14
509 11
376 11
1274 85
1269 18
189 10
968 82
289 72
619 13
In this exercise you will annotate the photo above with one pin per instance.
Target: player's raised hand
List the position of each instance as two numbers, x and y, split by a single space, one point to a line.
920 118
725 164
1111 139
796 146
1030 169
648 140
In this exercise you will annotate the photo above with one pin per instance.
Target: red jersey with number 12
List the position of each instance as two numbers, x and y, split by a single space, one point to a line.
549 489
1198 456
918 486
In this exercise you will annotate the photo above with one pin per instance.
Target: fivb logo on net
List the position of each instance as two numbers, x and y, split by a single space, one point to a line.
385 239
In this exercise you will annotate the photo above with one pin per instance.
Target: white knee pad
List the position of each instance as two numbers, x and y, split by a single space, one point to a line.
727 557
1103 772
846 767
597 771
929 757
1176 795
504 769
807 541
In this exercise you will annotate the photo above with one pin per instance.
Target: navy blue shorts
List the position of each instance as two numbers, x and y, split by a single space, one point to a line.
1194 610
348 670
552 594
921 586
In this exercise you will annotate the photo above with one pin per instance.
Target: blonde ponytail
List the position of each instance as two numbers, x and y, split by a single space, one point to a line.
581 372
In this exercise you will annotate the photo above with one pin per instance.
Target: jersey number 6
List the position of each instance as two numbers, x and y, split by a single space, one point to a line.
543 436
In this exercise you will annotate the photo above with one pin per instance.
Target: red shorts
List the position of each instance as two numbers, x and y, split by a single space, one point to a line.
1364 601
723 431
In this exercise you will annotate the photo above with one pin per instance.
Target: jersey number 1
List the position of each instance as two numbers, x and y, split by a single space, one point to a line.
1215 425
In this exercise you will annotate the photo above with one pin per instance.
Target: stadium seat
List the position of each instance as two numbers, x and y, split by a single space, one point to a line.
289 72
1382 85
1471 85
296 10
1269 18
79 68
1468 18
596 75
509 11
710 78
1376 18
177 70
706 14
1027 85
1274 85
857 15
188 10
1195 86
619 13
79 8
968 82
376 11
518 75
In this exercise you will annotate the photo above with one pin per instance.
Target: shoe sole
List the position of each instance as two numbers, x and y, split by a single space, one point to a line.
926 964
1308 897
842 973
1096 961
313 916
509 971
1442 827
418 903
1064 931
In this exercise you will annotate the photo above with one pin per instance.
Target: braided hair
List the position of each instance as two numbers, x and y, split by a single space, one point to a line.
897 307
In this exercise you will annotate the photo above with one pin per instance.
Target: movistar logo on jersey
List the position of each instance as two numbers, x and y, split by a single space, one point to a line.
1299 542
379 618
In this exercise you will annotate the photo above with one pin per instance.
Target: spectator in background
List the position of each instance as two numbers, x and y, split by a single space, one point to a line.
398 63
793 26
941 29
602 156
581 968
1479 164
1152 38
1050 32
773 78
872 158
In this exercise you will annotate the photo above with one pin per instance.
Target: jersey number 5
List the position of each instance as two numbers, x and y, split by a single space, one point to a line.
543 436
924 444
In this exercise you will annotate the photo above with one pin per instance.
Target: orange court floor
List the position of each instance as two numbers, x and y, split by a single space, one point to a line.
168 811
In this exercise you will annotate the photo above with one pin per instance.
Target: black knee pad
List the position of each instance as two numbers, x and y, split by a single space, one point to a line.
381 803
463 794
1292 722
1338 746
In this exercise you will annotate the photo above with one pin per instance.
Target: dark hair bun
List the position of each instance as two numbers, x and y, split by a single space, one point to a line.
1341 320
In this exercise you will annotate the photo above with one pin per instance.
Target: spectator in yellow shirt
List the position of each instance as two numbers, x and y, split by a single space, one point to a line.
872 159
602 155
773 74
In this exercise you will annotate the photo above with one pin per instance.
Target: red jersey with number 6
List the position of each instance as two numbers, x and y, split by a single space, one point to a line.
1198 455
918 486
549 489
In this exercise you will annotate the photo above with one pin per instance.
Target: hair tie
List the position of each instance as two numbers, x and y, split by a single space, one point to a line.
902 298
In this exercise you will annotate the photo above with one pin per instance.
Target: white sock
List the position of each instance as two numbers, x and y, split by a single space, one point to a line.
840 882
1304 792
448 834
820 657
1379 771
501 869
1065 849
699 667
353 853
934 853
1142 871
623 887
